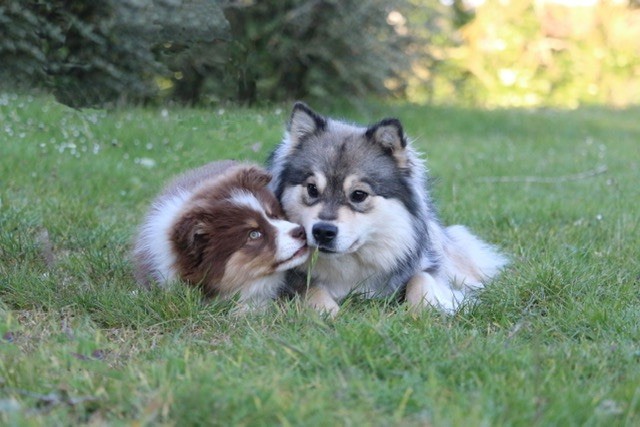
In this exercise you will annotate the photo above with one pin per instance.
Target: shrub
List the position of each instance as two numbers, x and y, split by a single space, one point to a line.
320 48
115 51
97 53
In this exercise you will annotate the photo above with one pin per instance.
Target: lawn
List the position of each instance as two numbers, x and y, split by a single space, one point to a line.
554 341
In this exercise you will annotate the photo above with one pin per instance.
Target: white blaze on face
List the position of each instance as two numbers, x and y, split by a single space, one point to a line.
287 245
244 198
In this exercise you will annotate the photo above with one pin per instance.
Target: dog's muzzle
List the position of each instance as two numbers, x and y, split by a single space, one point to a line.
325 235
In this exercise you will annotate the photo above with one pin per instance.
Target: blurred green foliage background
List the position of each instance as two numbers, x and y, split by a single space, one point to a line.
496 53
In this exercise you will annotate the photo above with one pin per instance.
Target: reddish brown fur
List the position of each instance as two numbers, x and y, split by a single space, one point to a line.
213 230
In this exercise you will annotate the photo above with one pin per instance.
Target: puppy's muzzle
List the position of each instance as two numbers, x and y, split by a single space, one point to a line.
298 233
325 234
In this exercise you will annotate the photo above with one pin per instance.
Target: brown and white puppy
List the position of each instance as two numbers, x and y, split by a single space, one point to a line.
219 228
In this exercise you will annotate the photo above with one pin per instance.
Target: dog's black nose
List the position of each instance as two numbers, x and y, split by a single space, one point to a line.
324 233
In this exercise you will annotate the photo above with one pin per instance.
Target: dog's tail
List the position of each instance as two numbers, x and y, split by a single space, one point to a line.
466 264
469 261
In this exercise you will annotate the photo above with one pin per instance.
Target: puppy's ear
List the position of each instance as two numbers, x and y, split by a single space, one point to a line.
191 243
189 237
254 178
303 123
388 134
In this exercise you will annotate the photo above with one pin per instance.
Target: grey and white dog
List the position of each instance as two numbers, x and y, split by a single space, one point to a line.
361 195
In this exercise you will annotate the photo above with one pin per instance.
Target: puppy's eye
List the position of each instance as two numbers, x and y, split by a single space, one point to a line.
312 191
255 234
358 196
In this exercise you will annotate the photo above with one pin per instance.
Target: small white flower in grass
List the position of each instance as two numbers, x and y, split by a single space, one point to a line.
221 111
164 113
610 407
10 405
93 118
67 146
146 162
599 217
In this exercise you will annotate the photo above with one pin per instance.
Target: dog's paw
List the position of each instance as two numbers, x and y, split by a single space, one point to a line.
319 299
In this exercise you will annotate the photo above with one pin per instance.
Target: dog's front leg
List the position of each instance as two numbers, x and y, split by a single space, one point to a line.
417 294
423 290
320 299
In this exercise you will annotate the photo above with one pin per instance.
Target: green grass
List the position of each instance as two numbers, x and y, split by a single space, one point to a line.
554 341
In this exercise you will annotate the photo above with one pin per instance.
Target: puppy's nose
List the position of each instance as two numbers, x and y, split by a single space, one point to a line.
324 233
298 233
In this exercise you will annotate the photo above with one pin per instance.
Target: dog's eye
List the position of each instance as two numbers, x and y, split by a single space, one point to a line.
255 234
312 190
358 196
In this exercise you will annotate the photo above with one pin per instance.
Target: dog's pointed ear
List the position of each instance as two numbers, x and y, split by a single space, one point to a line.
303 123
389 135
254 178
